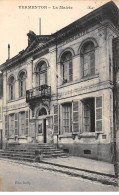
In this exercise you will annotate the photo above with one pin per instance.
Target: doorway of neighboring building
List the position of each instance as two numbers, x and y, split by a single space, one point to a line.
0 138
44 128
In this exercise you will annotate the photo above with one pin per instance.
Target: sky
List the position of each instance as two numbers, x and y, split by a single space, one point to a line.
15 23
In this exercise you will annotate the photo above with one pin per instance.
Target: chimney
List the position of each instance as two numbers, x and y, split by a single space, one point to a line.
8 51
31 37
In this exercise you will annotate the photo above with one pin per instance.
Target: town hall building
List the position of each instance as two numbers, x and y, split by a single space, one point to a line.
59 90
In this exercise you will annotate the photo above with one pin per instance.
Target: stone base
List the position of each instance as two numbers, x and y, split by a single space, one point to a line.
92 151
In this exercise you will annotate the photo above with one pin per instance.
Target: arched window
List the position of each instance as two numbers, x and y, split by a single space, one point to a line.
11 87
22 84
42 112
88 59
66 63
42 72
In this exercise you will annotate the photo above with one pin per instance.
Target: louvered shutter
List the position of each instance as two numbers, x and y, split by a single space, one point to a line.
70 71
75 116
80 117
6 126
16 123
92 63
56 119
98 113
27 121
82 67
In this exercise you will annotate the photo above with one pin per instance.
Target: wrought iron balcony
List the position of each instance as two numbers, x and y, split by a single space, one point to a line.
41 92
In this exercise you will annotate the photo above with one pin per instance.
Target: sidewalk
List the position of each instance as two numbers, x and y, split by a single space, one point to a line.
84 164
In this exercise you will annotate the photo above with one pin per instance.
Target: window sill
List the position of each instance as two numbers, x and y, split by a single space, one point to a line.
16 99
40 134
78 81
12 137
22 137
68 135
88 135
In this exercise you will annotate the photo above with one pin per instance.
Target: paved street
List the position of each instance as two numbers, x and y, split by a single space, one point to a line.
20 177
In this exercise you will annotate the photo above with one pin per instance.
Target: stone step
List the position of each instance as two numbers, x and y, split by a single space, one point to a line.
28 151
30 148
18 158
31 153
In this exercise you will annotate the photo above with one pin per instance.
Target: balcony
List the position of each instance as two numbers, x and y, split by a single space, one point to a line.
38 93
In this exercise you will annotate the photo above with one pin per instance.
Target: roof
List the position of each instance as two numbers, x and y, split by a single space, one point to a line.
39 43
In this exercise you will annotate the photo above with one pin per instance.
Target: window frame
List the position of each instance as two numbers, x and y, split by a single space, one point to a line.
13 129
91 62
67 66
22 84
42 72
11 85
69 106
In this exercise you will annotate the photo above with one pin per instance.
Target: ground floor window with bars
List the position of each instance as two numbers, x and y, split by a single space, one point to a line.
67 117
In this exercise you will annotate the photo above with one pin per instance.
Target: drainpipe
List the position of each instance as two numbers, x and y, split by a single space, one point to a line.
115 104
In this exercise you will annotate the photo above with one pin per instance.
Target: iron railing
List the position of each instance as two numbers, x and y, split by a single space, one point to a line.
41 92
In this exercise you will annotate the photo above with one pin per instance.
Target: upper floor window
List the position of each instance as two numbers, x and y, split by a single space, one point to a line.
88 59
22 84
11 87
66 62
42 70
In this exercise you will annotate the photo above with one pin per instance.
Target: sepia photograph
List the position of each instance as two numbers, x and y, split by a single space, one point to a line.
59 96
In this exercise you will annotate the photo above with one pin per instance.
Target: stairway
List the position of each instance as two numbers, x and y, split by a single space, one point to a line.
31 152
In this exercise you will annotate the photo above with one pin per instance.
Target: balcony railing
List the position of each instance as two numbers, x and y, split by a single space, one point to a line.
41 92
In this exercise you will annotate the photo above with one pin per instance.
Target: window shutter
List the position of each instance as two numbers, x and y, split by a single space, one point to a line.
56 119
16 123
80 117
45 77
6 126
24 87
81 67
92 63
75 117
98 113
70 71
27 121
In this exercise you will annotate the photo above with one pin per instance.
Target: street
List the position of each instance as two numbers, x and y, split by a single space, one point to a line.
21 177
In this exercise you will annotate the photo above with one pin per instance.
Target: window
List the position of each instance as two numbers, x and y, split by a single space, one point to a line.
42 73
66 62
92 114
89 115
22 84
11 87
11 125
67 118
88 59
22 123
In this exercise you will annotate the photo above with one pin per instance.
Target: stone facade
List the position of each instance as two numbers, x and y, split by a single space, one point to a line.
68 82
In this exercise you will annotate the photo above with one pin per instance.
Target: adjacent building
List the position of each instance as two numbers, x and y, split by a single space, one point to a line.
1 98
59 90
